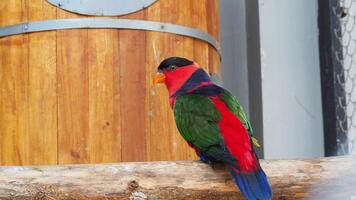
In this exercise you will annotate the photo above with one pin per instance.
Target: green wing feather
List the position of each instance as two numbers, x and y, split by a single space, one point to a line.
235 107
196 118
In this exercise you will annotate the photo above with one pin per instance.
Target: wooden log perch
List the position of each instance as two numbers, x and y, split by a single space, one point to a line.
324 178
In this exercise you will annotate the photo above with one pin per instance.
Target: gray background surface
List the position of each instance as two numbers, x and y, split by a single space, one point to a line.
289 55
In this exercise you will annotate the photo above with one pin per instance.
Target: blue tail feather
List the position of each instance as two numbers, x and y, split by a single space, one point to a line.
254 185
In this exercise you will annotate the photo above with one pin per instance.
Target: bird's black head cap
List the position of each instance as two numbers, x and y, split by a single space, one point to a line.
177 61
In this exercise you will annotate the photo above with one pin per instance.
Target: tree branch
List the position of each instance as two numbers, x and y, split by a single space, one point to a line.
324 178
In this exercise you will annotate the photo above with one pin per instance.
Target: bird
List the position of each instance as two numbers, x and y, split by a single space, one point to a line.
214 124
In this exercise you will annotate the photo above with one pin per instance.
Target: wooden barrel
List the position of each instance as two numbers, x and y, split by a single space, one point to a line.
86 95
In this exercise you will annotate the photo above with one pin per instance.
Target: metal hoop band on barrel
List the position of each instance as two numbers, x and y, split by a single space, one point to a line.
59 24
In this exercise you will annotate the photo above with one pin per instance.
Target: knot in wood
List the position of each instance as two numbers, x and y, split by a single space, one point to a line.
132 185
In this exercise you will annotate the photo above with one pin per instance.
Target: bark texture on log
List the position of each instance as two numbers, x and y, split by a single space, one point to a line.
324 178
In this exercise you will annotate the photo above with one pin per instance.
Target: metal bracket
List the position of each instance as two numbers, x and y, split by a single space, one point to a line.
78 23
102 7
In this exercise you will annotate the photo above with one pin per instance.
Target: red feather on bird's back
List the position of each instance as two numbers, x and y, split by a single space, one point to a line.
236 137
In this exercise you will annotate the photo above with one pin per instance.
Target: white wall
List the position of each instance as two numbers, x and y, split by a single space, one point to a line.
292 112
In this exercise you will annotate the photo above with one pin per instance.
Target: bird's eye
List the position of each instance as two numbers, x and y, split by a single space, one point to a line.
172 68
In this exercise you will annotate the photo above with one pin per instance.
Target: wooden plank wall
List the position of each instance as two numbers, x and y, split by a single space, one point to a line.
86 96
73 94
14 76
41 138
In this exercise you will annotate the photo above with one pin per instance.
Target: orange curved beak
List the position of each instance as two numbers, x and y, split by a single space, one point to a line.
158 78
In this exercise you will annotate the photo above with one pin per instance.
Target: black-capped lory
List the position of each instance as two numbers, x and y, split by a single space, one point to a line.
213 122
